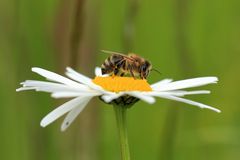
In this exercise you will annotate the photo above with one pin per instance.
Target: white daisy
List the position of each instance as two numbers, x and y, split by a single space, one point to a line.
82 89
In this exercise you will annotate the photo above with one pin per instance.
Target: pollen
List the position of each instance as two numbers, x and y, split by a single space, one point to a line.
119 84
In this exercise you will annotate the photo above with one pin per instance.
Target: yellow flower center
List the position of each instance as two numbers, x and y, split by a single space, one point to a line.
118 84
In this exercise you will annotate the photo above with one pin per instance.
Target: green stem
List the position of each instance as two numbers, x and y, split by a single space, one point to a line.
120 112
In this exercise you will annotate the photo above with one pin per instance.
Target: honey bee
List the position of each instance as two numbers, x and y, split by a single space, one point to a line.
125 65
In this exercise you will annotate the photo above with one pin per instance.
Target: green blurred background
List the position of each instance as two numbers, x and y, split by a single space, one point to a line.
181 38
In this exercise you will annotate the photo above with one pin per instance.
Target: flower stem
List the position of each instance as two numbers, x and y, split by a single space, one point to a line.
120 112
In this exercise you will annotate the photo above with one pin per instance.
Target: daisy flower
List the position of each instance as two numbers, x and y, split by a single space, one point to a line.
124 91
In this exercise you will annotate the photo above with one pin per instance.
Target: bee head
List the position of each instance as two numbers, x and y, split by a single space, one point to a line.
145 69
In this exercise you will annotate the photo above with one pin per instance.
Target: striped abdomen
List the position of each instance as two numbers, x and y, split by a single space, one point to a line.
113 64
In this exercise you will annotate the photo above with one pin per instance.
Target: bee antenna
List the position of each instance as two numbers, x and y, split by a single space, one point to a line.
153 69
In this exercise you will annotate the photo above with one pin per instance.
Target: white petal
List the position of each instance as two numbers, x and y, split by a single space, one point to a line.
77 76
160 83
177 93
82 79
98 71
25 88
54 77
73 94
189 102
146 98
53 87
183 93
71 116
61 110
109 98
188 83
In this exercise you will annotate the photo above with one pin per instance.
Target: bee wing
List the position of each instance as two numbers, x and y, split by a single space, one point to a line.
112 52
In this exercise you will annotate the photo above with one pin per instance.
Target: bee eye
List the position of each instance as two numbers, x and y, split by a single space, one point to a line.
144 67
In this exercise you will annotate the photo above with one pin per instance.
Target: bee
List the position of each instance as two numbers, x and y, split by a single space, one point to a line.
124 65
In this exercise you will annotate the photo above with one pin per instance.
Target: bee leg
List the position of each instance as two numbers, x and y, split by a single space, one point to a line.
132 74
142 77
113 72
130 69
122 74
103 70
116 71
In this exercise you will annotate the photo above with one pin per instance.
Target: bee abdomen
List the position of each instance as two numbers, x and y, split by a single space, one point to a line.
106 68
